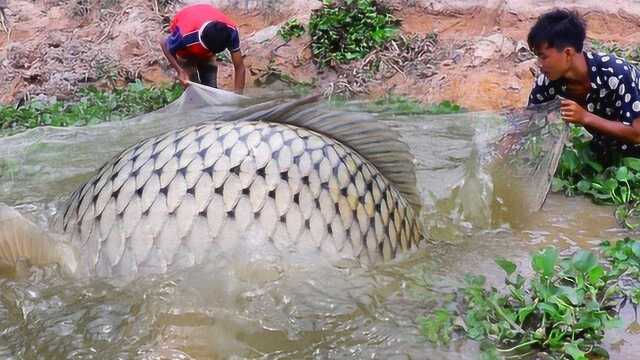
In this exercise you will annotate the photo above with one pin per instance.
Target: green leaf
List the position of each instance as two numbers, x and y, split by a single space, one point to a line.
569 161
437 327
524 312
596 274
558 184
622 173
574 351
610 184
506 265
632 163
635 248
584 185
614 323
544 261
584 261
598 168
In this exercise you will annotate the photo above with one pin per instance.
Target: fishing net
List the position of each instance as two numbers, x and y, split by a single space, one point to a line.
471 167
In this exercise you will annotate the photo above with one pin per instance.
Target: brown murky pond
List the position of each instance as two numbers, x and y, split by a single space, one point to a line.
258 306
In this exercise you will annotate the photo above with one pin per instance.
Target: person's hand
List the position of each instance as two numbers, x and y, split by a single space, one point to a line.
183 78
571 112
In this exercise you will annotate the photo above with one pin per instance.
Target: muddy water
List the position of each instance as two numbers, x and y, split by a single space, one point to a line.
264 306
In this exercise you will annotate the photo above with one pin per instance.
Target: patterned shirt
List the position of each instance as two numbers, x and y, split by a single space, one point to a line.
614 95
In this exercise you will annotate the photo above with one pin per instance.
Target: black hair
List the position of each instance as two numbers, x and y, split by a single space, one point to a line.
559 29
216 36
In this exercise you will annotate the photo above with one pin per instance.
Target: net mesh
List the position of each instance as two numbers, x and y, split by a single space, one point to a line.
475 168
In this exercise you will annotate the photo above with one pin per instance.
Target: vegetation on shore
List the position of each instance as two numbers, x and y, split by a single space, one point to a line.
92 106
346 30
562 309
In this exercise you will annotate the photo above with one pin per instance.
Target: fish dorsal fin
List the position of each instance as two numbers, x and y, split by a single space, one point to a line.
371 138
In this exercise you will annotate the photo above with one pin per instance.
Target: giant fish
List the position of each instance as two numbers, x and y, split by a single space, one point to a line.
295 174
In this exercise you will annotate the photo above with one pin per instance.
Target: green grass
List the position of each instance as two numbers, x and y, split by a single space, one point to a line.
403 105
92 106
346 30
563 309
631 54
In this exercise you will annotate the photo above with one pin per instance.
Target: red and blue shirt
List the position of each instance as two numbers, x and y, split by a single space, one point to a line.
185 29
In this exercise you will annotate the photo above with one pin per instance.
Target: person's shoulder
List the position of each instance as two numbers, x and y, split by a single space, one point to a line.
610 62
541 80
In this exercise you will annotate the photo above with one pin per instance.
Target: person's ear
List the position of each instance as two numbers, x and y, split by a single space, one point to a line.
569 52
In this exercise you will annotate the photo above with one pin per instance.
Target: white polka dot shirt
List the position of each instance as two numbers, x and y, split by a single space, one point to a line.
614 95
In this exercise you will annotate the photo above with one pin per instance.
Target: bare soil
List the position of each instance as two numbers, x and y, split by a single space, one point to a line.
55 46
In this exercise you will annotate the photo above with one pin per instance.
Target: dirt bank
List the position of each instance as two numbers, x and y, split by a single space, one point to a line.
56 46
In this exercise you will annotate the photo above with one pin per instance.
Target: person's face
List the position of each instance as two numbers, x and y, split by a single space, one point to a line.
553 63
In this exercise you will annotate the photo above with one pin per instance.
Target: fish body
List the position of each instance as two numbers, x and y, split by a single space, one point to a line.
298 179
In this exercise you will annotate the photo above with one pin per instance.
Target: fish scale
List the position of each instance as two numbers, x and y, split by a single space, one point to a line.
176 197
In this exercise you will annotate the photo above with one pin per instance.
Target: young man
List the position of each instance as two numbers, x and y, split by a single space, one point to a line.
198 33
602 91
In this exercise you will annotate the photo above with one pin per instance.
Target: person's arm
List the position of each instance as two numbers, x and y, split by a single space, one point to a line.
620 79
183 76
574 113
239 71
542 91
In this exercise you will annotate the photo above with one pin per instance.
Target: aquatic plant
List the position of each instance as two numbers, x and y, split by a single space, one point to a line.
563 309
345 30
624 257
92 106
580 173
291 29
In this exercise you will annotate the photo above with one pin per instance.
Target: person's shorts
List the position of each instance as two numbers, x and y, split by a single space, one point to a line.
203 72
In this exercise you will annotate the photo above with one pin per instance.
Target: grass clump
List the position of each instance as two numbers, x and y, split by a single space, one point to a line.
291 29
93 106
580 173
271 74
563 309
402 105
631 54
346 30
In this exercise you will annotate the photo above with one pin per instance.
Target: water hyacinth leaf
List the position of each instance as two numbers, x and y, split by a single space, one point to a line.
635 248
475 280
599 352
613 323
506 265
524 312
558 184
622 174
610 184
437 327
563 316
574 295
574 351
632 163
569 161
595 166
584 261
584 185
596 274
544 261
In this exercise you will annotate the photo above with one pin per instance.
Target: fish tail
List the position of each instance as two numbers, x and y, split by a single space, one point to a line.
22 239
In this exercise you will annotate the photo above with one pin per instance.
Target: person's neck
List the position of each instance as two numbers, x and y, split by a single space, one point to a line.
578 71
